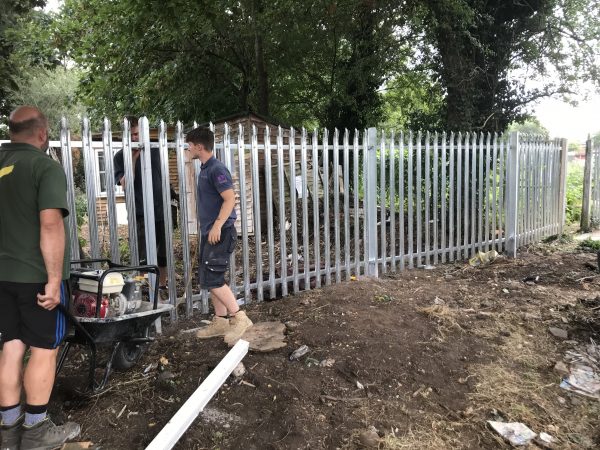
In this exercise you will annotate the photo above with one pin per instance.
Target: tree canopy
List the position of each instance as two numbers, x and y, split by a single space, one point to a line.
429 64
14 14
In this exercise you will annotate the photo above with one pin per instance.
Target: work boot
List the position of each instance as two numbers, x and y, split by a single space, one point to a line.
238 325
218 327
47 436
11 435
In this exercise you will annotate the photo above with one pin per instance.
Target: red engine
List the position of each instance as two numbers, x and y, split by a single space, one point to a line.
84 305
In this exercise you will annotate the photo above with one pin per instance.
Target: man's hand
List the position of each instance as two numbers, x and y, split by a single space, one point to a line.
51 296
214 235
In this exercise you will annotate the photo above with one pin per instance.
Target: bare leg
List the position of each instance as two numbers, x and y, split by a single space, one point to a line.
11 364
227 302
162 279
39 375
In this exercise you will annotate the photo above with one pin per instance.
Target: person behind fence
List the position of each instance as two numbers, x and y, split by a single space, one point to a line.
216 214
157 195
34 270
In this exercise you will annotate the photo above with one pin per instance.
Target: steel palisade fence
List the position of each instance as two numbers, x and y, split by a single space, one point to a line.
595 183
336 205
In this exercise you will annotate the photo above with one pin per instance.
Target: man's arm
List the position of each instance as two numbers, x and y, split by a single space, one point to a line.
228 196
119 165
52 245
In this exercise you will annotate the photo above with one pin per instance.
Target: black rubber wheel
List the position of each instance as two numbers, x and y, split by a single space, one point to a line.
127 355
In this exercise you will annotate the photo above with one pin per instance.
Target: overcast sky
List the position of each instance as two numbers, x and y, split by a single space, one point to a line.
564 120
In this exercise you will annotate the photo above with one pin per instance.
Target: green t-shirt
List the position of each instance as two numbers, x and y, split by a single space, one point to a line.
30 182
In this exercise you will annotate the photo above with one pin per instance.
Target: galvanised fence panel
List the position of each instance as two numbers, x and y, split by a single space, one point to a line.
322 206
595 200
440 197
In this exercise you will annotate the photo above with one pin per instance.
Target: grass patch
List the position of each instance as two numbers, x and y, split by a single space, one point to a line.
522 387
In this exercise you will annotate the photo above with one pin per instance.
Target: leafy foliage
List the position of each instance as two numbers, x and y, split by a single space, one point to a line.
590 244
486 50
432 64
23 43
54 92
530 126
574 193
325 66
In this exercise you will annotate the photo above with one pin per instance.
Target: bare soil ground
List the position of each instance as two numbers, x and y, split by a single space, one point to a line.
425 373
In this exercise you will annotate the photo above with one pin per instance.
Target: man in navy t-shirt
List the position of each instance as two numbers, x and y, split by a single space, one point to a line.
216 213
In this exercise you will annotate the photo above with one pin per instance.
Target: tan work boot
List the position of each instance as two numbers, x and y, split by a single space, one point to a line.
218 327
47 436
11 435
238 325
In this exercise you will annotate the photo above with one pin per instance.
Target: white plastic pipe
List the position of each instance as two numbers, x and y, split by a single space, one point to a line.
180 422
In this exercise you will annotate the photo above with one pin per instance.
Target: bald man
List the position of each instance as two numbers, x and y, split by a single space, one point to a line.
34 268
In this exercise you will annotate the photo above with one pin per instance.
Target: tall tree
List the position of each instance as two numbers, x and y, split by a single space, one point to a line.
10 13
486 50
299 61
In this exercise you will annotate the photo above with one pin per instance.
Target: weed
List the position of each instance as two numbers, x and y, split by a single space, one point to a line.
384 298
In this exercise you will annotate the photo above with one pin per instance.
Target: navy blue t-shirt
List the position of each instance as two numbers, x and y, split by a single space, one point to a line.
119 168
214 178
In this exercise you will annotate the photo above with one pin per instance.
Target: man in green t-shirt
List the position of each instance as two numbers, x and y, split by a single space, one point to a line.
34 269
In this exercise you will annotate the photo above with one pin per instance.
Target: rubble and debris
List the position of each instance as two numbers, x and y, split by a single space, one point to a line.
515 433
559 333
299 352
583 376
239 370
546 441
531 280
291 325
438 301
265 336
369 439
561 369
87 445
582 380
483 258
328 362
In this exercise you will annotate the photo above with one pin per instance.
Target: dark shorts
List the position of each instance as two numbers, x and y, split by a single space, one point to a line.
161 244
22 318
214 259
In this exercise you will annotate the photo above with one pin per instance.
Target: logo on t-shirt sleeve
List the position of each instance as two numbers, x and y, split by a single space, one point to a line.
222 179
6 170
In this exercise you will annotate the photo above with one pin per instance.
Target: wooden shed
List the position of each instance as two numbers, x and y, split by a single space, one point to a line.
249 120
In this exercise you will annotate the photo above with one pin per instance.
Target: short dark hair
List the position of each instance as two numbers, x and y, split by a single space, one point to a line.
201 135
27 126
133 121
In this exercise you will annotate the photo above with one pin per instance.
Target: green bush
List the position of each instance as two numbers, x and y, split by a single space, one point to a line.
574 193
590 244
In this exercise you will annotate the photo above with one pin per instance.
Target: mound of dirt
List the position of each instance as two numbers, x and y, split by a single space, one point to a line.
418 359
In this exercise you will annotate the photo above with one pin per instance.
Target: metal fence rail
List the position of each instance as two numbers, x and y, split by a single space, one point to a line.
319 208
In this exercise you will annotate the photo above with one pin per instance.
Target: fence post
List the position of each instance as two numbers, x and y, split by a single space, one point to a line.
562 193
371 202
587 187
147 182
512 194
